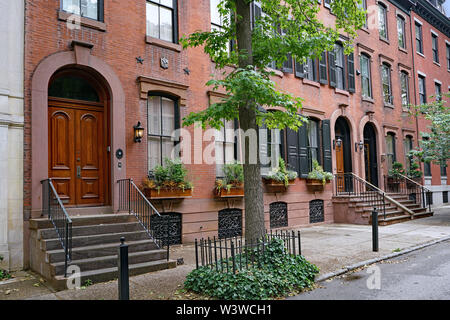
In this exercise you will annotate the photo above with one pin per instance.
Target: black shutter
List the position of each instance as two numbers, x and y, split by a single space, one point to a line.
323 74
332 68
236 141
299 70
303 154
292 149
326 145
351 72
287 64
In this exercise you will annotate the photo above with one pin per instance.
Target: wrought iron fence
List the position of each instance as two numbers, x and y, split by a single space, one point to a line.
232 254
131 199
404 185
53 207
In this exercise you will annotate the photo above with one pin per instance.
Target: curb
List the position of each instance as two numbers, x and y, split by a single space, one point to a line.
375 260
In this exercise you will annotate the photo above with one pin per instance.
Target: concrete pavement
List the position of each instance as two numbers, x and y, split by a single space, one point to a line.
332 247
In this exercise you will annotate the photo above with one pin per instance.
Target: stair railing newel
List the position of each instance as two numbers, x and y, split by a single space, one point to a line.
349 184
132 199
53 207
411 188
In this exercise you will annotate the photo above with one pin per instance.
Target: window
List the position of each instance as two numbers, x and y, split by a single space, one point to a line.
92 9
386 83
162 122
419 41
422 90
269 148
382 21
225 146
364 6
366 81
434 47
408 147
310 69
426 165
401 32
448 56
327 3
404 84
161 19
313 142
339 65
390 150
438 91
443 171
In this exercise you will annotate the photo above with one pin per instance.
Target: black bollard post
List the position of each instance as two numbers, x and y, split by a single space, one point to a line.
124 283
375 230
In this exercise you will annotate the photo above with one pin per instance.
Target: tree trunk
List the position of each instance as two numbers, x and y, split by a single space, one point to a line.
254 202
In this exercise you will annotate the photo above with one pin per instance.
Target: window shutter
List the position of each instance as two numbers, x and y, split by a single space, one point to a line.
326 145
299 70
332 68
303 151
292 149
287 65
351 72
323 75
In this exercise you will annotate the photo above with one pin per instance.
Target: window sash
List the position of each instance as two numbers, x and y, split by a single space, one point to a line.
386 82
160 20
365 76
404 88
401 32
382 21
85 8
419 47
224 146
434 44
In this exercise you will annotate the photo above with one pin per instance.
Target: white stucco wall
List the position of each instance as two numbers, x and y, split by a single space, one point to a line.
11 133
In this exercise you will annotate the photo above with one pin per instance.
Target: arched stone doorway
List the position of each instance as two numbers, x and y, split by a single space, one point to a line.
78 138
370 154
342 146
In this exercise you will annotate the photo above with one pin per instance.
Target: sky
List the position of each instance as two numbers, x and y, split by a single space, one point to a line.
447 8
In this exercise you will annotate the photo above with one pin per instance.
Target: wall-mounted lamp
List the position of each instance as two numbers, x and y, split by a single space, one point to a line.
359 144
138 132
337 143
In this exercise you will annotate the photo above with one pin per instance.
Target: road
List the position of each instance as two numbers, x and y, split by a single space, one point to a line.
423 274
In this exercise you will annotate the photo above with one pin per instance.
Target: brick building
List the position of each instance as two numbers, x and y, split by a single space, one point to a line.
94 69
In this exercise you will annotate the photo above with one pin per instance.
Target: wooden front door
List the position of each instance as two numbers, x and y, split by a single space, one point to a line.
340 169
77 153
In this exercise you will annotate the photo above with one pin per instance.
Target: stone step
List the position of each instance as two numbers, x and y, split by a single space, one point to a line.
109 261
83 241
85 220
51 233
107 274
99 250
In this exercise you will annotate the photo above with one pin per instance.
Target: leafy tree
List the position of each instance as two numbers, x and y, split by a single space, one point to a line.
284 27
435 144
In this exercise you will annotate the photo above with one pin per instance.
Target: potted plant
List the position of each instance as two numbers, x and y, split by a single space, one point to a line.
317 178
232 184
394 176
279 178
415 174
168 181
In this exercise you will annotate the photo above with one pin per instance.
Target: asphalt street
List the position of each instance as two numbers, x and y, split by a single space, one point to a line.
420 275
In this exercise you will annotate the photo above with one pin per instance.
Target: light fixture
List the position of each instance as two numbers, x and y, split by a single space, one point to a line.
138 132
338 142
359 144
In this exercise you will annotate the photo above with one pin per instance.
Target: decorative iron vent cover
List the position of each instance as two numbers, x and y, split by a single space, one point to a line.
316 212
158 226
278 215
230 223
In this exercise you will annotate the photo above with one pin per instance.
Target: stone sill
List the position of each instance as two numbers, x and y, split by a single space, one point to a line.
420 54
437 63
385 40
85 22
369 100
163 44
311 83
389 105
342 92
276 72
403 50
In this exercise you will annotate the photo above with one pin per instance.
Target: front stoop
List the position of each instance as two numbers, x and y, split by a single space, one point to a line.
95 245
359 212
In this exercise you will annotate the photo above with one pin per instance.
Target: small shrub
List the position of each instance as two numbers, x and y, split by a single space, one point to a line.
318 174
170 176
233 176
397 170
279 275
281 174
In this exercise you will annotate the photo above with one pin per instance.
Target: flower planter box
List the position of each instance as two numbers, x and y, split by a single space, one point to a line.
167 193
315 184
234 192
277 186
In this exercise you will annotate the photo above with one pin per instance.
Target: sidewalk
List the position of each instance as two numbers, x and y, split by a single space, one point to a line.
330 246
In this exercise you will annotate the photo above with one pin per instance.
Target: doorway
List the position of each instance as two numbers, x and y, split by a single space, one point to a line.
343 154
370 154
78 139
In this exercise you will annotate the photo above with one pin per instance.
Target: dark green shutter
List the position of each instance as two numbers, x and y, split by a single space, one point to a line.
326 145
351 72
323 75
287 64
292 149
303 154
299 70
332 68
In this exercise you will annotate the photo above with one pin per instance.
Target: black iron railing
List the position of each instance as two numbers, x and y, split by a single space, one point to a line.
232 254
403 185
53 207
132 200
349 184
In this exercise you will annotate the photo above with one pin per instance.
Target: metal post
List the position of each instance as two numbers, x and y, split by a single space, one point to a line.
167 236
299 244
375 230
124 281
196 254
233 257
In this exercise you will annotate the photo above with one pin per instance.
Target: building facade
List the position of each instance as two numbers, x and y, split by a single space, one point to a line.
11 134
95 70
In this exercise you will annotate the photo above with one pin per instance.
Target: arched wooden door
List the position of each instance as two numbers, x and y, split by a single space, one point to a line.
77 141
370 154
343 155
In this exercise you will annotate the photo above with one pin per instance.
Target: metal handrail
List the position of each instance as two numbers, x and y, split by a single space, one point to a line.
132 199
56 212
